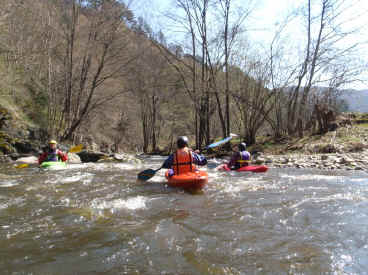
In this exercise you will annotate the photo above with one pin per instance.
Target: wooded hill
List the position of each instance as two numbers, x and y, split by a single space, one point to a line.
90 71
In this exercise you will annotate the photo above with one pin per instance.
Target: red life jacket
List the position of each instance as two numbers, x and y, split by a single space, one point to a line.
183 161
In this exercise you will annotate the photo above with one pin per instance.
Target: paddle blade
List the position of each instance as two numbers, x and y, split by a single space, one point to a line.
219 142
146 174
76 149
23 165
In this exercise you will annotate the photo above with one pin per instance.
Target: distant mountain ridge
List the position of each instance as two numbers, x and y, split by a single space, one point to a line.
357 100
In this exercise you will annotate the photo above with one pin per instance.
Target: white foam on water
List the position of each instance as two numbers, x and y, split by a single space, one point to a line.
135 203
358 180
159 176
157 157
310 177
249 186
348 197
9 183
125 166
72 166
332 198
85 177
113 166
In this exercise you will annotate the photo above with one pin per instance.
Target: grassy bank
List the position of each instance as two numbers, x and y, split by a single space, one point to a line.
347 139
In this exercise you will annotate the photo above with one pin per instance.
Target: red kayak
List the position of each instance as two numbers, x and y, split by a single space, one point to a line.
249 168
189 180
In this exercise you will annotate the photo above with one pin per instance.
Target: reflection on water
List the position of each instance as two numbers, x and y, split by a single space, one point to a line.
96 218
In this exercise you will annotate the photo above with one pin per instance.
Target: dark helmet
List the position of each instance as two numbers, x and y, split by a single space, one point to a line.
242 146
182 142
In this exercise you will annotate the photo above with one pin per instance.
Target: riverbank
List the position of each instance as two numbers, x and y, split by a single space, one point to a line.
345 148
332 161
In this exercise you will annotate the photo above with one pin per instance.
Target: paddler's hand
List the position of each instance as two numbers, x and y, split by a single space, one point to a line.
197 151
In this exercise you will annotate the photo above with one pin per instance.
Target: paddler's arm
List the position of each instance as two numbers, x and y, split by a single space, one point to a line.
233 159
63 156
199 159
42 157
168 162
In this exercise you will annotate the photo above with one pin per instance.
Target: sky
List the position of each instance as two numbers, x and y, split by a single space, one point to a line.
263 20
267 10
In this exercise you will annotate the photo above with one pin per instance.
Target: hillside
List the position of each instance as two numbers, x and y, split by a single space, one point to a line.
357 100
93 73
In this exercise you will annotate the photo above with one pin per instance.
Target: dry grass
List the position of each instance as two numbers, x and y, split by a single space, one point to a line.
344 139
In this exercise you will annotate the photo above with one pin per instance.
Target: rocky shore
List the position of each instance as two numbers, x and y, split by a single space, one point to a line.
344 148
332 161
83 156
327 161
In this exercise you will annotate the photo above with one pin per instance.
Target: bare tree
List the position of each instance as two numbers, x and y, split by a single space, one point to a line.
253 100
232 28
149 82
215 45
327 44
93 51
192 69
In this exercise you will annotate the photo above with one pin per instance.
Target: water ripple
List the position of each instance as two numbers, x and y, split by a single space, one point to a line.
95 218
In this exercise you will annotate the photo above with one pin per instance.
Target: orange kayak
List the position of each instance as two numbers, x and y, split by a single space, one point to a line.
190 180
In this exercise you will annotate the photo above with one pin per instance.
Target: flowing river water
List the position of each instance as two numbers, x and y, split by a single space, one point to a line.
97 219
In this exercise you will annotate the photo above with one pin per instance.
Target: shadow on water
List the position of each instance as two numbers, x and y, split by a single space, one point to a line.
97 218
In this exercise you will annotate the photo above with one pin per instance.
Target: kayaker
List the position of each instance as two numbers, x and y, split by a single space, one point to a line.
184 159
51 153
240 158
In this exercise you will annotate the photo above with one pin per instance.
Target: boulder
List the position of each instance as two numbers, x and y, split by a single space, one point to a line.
91 156
25 147
106 159
74 158
268 160
119 157
126 158
259 161
7 148
284 160
5 159
324 157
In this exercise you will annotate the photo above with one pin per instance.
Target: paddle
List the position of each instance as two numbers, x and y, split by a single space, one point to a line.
76 148
149 173
73 149
215 144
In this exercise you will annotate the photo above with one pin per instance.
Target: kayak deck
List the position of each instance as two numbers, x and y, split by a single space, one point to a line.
249 168
189 180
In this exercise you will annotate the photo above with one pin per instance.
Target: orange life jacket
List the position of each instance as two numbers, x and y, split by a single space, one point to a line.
183 161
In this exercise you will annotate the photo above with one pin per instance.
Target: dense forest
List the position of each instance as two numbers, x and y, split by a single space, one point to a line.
92 70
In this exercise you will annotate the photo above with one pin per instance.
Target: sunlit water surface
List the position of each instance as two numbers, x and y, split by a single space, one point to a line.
97 219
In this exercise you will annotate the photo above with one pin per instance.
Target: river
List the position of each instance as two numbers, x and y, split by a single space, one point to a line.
95 218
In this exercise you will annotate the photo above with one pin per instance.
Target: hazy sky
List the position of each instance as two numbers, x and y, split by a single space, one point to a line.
263 18
266 10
